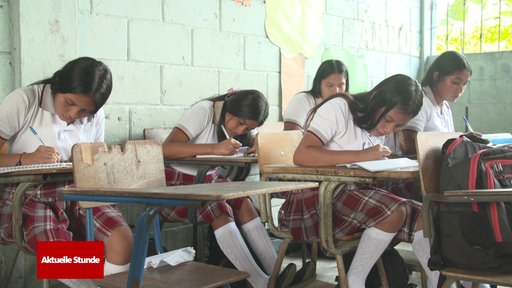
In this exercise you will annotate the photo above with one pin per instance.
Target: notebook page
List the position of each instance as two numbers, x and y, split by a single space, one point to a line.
386 164
239 153
35 167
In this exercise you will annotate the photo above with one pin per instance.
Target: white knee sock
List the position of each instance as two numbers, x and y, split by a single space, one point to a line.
372 244
232 244
110 268
79 283
257 236
421 248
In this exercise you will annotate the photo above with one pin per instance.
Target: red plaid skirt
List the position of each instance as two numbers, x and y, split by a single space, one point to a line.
47 218
355 207
208 212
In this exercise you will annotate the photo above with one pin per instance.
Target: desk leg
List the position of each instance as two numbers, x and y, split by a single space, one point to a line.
89 225
157 236
140 247
17 215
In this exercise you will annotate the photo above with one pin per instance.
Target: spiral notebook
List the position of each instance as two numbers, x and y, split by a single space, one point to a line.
35 167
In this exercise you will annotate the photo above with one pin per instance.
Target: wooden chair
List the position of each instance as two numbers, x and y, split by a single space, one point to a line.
158 134
277 148
139 164
428 145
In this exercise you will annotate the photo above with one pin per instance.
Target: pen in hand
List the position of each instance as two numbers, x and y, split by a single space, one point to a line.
467 124
37 135
369 138
225 132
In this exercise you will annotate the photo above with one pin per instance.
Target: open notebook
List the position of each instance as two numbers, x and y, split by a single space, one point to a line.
498 138
383 165
239 153
35 167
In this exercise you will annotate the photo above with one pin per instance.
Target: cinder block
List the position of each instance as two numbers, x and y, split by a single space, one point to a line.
7 79
243 80
218 49
5 23
258 48
136 9
187 85
155 116
152 41
117 124
244 20
103 37
135 83
205 13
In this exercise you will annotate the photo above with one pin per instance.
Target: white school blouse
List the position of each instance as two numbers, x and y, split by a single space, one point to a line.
430 118
298 108
31 106
198 123
334 125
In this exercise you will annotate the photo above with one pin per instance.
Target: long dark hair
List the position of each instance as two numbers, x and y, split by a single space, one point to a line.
396 92
326 69
445 64
244 104
85 76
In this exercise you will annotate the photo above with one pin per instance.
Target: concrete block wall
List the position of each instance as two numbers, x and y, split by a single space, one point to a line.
167 54
487 95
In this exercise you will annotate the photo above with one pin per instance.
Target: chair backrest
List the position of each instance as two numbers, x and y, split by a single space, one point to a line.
428 147
271 127
159 134
139 163
5 148
277 148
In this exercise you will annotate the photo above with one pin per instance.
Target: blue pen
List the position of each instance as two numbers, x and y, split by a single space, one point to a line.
35 134
467 123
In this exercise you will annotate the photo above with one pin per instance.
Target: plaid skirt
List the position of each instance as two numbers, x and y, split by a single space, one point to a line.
47 218
209 211
355 207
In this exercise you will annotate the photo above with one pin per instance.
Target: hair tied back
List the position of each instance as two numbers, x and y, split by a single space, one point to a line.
231 91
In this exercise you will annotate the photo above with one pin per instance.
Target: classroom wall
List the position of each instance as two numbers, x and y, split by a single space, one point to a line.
167 54
487 96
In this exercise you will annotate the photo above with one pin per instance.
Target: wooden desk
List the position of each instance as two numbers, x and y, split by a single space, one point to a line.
169 196
330 178
27 179
206 163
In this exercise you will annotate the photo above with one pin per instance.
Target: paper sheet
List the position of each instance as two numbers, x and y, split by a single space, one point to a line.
173 257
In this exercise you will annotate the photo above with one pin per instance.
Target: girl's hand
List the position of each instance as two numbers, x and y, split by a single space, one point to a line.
251 150
378 152
42 155
227 147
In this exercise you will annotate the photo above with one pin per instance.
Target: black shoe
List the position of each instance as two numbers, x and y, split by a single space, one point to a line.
286 276
305 273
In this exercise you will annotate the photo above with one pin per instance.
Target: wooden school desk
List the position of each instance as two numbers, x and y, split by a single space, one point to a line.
206 163
330 178
240 164
27 179
170 196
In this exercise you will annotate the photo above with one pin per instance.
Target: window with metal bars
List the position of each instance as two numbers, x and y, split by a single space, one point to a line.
472 26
